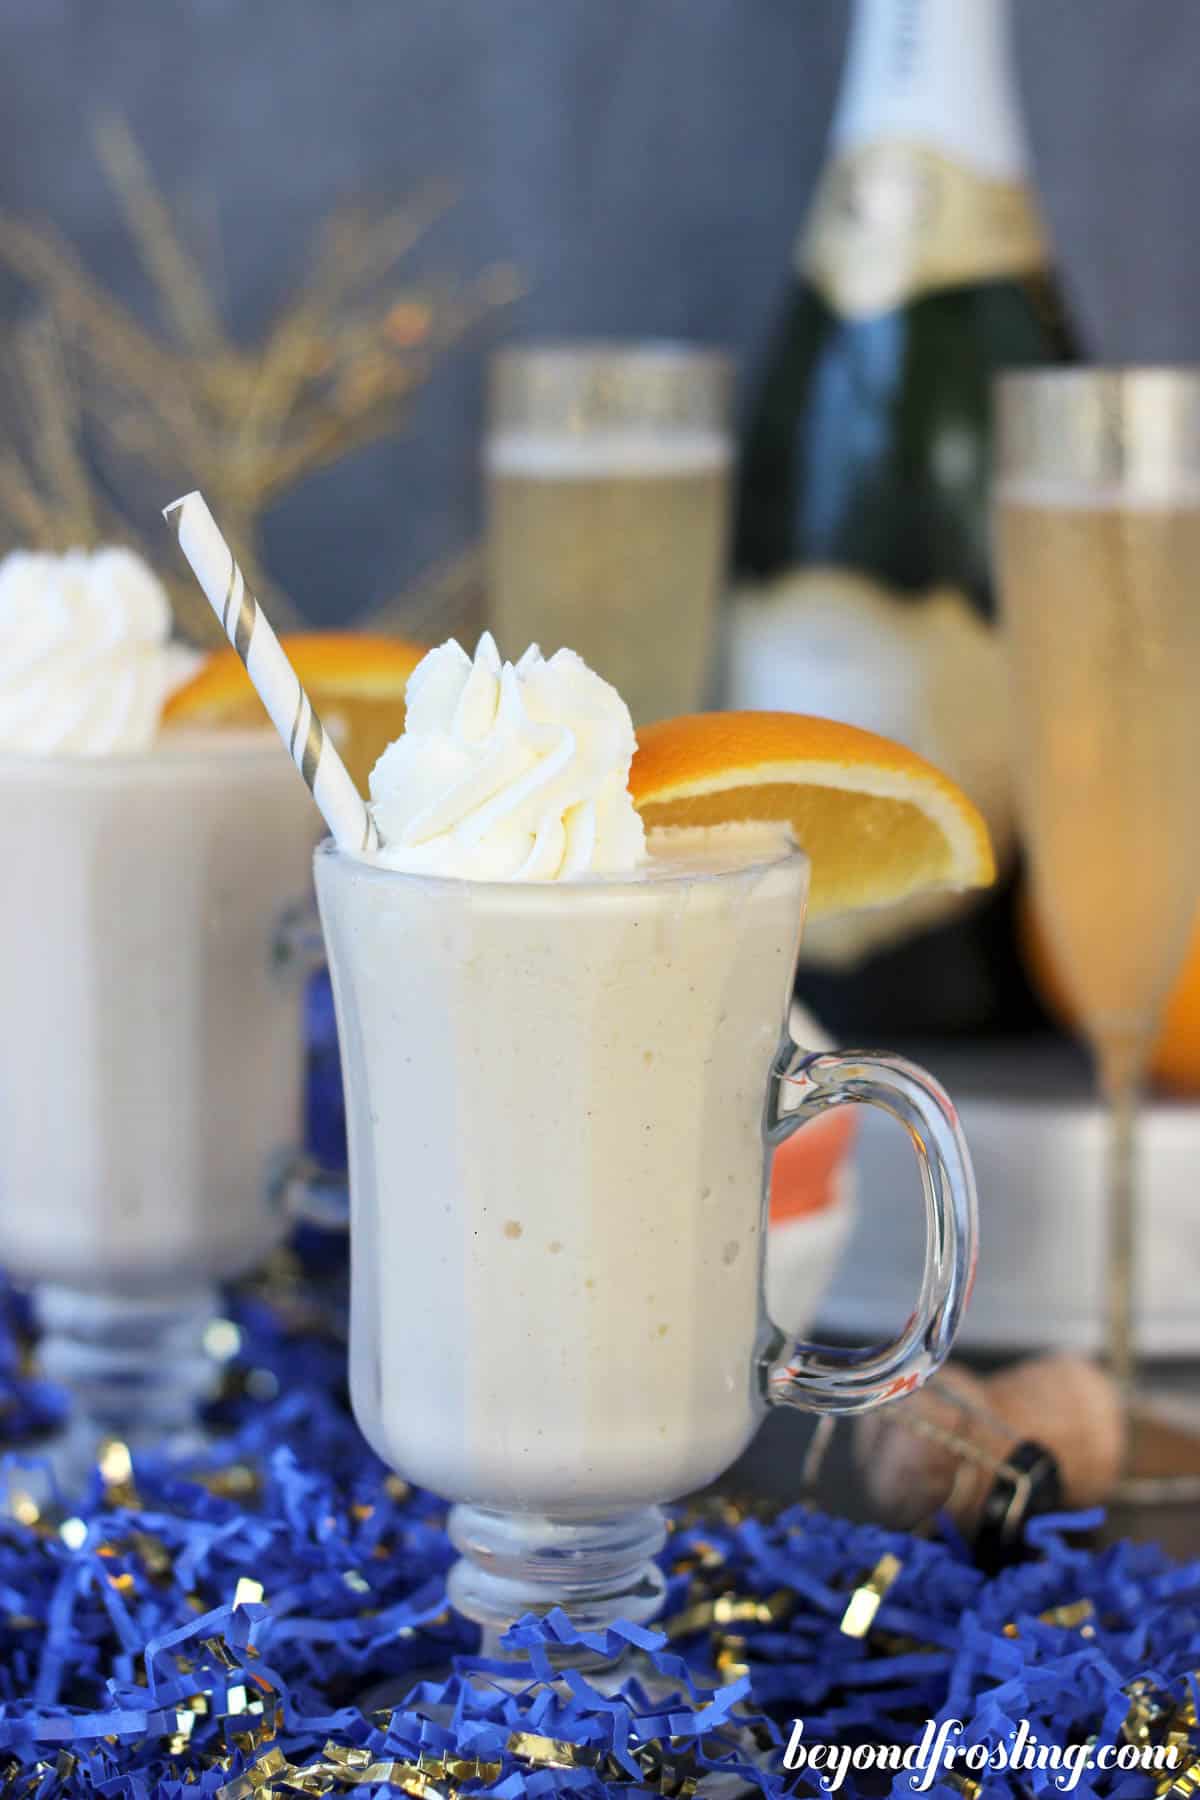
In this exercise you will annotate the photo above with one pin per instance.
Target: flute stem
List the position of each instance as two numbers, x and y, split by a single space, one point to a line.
1122 1233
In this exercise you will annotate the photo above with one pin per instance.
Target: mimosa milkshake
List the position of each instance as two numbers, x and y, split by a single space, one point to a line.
150 1059
566 1062
555 1048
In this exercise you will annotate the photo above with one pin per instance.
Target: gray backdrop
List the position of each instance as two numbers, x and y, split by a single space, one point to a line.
645 163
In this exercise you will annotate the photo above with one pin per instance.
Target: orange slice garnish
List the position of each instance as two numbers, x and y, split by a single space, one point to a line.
878 822
355 681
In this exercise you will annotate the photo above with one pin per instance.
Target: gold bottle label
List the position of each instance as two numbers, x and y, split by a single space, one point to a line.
892 220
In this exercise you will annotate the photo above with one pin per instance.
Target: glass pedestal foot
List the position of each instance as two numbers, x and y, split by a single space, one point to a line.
133 1368
606 1676
598 1571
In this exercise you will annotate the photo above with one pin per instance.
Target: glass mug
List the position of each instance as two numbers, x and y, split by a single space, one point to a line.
150 1061
558 1174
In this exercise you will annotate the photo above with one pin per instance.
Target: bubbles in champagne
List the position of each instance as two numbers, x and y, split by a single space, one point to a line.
613 543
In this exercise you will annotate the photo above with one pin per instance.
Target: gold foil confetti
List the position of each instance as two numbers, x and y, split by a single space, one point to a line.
237 1481
700 1617
729 1609
1181 1784
1075 1616
268 1767
701 1555
24 1508
115 1464
156 1559
668 1771
543 1752
344 1766
247 1592
464 1768
185 1724
1072 1617
867 1598
712 1612
1148 1708
729 1657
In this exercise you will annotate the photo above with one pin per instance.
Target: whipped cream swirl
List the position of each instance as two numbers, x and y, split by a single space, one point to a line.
85 657
508 771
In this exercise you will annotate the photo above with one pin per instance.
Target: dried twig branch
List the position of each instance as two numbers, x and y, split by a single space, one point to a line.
178 281
335 371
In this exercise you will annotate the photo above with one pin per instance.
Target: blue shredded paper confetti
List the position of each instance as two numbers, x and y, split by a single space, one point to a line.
132 1663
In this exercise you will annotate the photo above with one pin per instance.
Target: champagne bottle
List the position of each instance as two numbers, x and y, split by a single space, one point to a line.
923 269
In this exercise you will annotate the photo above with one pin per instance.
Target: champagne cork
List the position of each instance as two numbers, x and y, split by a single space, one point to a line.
947 1445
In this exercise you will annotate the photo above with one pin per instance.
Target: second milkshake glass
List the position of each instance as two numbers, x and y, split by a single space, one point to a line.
149 1062
562 1100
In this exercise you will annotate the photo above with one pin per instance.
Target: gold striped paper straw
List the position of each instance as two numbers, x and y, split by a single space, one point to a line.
275 681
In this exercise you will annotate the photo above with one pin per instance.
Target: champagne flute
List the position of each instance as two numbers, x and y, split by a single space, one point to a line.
1097 517
608 469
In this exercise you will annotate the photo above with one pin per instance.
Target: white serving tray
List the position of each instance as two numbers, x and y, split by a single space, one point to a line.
1038 1139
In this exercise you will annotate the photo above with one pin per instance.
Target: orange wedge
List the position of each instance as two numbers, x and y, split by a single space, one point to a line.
878 822
355 681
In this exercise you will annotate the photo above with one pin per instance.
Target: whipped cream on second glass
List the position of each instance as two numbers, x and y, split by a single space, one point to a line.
86 661
508 771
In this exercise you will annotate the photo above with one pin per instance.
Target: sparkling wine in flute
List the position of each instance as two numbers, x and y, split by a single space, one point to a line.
607 473
1104 635
1097 518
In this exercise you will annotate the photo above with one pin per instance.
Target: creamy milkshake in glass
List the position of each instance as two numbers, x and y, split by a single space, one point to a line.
150 1051
565 1063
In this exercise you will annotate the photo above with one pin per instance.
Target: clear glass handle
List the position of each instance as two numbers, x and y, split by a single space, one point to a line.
805 1083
